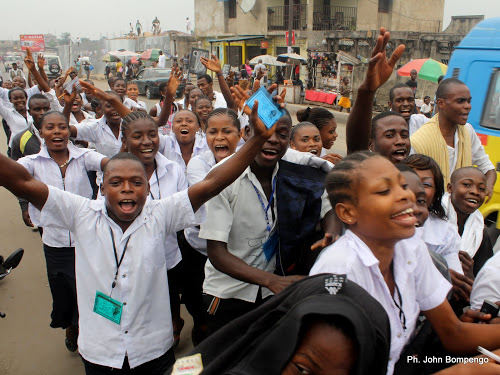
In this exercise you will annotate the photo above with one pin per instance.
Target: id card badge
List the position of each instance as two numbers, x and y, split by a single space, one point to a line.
269 111
108 307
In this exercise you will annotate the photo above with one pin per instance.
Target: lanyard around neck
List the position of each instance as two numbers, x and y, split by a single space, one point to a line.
118 263
266 209
159 188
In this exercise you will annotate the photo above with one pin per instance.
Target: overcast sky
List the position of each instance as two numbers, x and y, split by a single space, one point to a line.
96 18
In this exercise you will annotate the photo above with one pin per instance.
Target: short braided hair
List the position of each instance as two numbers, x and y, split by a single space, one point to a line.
300 125
200 98
226 112
340 180
133 116
318 116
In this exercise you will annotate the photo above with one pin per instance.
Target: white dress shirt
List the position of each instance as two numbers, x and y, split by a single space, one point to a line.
171 149
129 103
487 283
219 101
98 131
416 122
4 93
145 331
171 179
16 122
442 237
421 285
197 170
45 169
87 117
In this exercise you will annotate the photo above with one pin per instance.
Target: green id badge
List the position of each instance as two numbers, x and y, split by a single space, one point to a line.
108 307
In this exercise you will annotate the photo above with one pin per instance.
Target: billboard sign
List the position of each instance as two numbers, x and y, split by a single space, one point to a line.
35 43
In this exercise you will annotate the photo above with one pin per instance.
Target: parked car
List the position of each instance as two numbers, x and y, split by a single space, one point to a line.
149 79
52 66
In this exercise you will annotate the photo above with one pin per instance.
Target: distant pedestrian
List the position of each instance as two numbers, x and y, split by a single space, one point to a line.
162 60
345 91
412 82
138 26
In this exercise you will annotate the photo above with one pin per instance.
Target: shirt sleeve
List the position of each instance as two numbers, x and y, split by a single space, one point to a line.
451 248
87 131
177 212
93 160
61 210
54 103
27 163
486 285
219 217
4 94
432 288
32 91
325 204
479 156
6 110
196 170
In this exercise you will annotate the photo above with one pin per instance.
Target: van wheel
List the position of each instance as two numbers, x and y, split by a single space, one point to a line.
149 95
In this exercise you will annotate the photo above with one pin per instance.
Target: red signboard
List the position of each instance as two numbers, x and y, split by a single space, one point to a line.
264 45
35 43
293 38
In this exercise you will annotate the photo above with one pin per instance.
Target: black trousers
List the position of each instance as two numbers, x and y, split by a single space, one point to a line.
157 366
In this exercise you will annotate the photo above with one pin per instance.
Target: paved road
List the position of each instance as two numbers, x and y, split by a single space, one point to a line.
27 344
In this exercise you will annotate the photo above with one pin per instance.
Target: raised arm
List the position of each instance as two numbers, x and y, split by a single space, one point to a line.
30 64
173 83
215 66
69 99
104 96
223 175
41 70
15 178
380 68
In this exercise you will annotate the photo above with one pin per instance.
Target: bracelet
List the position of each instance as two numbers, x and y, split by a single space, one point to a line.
219 74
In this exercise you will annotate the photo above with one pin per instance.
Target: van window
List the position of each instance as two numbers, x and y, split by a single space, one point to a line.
491 110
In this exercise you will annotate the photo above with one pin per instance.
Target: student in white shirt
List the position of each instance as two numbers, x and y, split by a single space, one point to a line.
120 87
155 111
205 84
203 107
15 113
380 253
402 101
65 166
133 329
487 283
426 108
133 93
223 134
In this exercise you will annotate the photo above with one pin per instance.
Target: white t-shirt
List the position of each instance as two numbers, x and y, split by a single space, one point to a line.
487 283
420 284
162 61
416 122
219 101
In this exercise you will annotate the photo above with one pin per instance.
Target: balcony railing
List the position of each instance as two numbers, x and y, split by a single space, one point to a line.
278 17
334 18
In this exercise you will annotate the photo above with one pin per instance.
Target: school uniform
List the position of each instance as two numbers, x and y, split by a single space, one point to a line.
474 240
218 101
58 243
236 216
442 237
129 103
421 286
16 122
98 131
4 93
144 332
87 117
416 122
487 283
171 149
167 128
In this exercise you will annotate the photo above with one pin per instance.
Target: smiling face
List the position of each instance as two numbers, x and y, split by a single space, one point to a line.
404 102
77 104
383 209
392 139
429 183
184 126
19 82
468 190
222 136
193 95
307 139
132 91
329 134
275 147
55 132
112 116
141 139
18 100
205 87
37 109
421 210
324 350
203 108
457 104
125 189
120 87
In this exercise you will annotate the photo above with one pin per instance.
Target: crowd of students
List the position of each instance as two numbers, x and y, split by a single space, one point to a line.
290 259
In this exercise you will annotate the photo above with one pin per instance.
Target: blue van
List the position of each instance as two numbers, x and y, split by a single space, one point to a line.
476 62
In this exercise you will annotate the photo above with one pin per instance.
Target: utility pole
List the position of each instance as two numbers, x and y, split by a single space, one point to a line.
290 25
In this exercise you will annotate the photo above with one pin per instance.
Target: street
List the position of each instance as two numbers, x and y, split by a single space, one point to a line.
28 345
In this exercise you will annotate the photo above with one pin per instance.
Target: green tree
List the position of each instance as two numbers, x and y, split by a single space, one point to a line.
65 38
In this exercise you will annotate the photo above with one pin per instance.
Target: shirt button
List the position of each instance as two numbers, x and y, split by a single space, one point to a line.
124 303
409 262
126 331
124 276
399 335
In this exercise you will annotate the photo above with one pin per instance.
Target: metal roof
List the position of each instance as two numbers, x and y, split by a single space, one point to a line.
236 38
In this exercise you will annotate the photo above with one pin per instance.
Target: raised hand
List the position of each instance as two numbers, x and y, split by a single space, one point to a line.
174 81
41 61
212 64
259 129
380 68
28 60
69 99
259 75
332 158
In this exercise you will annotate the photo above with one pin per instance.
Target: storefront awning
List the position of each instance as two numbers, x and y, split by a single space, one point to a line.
236 38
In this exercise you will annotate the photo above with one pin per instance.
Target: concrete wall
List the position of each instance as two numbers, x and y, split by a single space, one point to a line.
209 18
462 24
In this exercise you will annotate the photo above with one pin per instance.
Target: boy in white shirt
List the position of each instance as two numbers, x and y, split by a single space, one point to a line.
123 298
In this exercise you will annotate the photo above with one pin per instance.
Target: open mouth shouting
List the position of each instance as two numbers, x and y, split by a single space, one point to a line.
221 152
400 154
127 205
472 203
405 112
269 153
